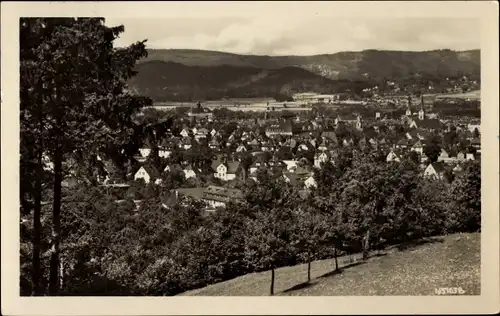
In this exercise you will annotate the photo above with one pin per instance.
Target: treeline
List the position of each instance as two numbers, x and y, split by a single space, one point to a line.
361 204
458 108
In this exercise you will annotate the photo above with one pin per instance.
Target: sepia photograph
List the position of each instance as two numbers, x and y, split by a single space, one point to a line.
251 154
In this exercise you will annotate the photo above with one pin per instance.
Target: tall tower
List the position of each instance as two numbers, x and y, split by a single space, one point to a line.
408 108
421 113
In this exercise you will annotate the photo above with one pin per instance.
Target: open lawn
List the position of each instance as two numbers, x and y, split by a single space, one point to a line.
413 269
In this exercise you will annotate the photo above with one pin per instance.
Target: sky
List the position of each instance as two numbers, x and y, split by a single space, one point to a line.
288 35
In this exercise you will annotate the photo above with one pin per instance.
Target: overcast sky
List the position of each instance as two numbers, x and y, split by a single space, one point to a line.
289 35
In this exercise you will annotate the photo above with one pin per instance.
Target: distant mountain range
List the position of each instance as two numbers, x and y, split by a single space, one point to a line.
182 75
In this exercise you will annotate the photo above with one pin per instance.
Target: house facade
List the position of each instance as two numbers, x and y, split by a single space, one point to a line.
435 170
148 174
226 171
216 196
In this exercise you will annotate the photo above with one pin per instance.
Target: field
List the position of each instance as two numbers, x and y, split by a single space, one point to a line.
246 104
473 95
415 269
258 104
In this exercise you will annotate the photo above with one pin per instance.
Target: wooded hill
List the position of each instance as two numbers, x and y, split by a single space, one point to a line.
196 74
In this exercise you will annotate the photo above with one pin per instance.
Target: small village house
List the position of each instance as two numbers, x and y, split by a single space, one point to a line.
435 170
189 172
216 196
392 156
226 170
148 173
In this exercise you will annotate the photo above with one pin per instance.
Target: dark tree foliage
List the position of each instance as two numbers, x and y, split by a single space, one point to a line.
73 91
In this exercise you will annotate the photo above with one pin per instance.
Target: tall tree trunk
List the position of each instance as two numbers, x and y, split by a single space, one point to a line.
35 272
56 223
272 282
366 245
309 271
335 255
61 273
37 225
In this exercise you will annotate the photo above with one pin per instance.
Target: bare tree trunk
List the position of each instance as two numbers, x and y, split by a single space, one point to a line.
335 255
56 224
61 273
37 226
35 272
366 245
272 282
309 271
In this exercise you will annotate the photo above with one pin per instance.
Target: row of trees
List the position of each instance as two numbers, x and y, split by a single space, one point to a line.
360 205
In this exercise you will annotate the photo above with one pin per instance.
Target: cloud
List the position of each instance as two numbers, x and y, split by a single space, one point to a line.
287 35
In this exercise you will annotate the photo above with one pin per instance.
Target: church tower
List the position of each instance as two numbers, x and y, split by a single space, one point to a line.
408 108
421 113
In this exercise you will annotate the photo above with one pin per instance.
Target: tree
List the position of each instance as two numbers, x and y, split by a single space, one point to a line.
433 148
465 193
412 156
309 228
269 232
325 178
364 193
333 227
81 86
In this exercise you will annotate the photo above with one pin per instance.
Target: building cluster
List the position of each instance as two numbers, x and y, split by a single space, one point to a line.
295 148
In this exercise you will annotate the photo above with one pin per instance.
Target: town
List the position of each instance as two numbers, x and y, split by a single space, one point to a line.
350 173
223 152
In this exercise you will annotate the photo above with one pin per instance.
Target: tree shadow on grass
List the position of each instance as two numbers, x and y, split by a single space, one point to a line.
300 286
419 242
376 255
314 281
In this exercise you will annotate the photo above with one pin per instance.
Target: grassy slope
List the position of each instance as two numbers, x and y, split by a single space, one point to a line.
450 261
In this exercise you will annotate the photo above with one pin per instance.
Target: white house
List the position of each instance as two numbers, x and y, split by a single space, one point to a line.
164 153
226 171
445 157
201 133
144 152
148 174
392 156
185 133
290 164
219 196
320 159
189 172
241 148
418 147
310 182
472 127
469 156
435 170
